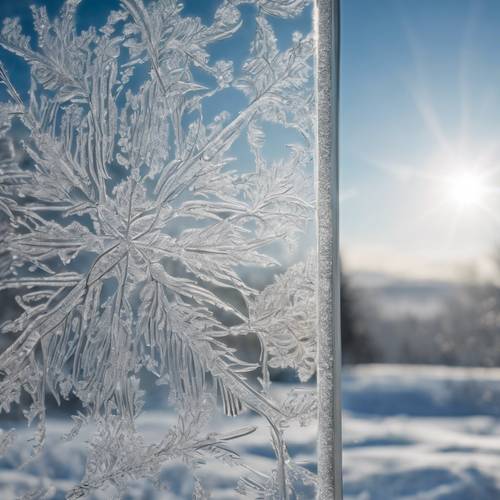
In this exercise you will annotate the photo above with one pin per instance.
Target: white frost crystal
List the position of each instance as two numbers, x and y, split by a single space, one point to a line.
130 228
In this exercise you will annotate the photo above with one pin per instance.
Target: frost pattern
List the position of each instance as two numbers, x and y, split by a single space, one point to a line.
129 231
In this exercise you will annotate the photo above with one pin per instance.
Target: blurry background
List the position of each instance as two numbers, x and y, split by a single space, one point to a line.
419 208
420 165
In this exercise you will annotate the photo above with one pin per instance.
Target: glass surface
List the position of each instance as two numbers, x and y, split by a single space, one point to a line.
157 268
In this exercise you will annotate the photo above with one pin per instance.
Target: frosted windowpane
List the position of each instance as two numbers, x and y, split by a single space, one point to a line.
157 267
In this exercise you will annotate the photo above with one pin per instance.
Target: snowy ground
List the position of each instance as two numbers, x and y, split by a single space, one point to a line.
422 433
409 433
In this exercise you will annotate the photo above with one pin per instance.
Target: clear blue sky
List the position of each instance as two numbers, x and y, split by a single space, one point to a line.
420 105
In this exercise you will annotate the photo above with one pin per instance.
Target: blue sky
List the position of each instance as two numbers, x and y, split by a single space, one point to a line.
420 104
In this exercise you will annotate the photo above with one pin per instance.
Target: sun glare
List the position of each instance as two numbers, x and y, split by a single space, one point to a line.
466 189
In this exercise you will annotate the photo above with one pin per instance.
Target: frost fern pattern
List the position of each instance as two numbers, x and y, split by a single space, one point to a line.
131 226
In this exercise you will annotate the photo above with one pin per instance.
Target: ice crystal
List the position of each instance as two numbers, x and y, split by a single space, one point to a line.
129 231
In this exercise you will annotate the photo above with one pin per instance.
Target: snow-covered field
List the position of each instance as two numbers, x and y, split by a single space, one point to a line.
409 432
422 433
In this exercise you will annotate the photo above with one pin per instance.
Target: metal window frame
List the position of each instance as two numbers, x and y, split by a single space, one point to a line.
327 29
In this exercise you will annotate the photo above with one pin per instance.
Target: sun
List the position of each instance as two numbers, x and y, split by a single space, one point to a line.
466 189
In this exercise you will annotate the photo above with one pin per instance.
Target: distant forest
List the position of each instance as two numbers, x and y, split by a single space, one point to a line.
462 330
